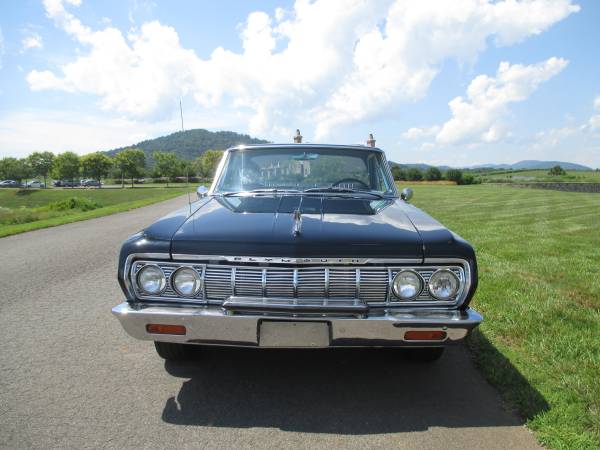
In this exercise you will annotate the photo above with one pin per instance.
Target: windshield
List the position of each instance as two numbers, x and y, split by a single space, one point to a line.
312 170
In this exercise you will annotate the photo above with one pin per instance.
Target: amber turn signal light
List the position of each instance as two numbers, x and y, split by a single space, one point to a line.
425 335
158 328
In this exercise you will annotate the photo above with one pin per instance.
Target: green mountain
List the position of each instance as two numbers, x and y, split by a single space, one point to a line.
190 144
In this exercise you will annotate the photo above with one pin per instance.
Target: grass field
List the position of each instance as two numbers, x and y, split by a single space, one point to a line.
31 209
531 176
539 291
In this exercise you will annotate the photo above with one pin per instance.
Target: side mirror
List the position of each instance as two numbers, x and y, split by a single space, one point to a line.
202 191
406 194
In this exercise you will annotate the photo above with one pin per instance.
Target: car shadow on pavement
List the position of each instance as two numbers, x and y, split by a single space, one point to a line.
348 391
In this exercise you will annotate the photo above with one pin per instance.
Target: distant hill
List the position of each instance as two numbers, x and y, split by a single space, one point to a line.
421 166
521 165
190 144
533 164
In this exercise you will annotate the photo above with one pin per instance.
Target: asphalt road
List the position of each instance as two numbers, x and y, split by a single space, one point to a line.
71 378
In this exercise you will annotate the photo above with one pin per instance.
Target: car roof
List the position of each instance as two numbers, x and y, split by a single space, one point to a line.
305 146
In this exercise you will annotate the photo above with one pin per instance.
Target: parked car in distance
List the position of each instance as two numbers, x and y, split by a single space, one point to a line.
10 184
35 184
299 246
90 183
70 183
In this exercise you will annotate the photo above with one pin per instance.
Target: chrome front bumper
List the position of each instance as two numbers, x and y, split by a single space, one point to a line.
213 325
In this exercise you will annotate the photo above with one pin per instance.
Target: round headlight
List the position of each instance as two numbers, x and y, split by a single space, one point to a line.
186 282
151 279
407 284
443 284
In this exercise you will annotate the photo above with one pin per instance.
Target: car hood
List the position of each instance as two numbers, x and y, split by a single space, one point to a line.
330 227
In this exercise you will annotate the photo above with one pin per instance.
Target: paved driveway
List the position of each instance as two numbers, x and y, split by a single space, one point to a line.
71 378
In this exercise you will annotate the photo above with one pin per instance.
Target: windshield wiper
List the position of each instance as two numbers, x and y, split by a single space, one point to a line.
341 190
269 190
262 191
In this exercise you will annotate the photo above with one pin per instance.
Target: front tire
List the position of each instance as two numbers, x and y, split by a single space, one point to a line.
171 351
426 354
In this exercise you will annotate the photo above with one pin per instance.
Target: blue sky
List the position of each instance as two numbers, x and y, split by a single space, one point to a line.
456 83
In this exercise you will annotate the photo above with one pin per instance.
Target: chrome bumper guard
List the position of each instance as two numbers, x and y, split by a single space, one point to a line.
238 323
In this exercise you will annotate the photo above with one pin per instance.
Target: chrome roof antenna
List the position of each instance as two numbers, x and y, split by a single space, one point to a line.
181 113
371 140
298 137
187 169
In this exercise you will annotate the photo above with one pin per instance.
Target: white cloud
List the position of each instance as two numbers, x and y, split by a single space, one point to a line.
478 117
597 103
325 64
580 143
415 133
32 41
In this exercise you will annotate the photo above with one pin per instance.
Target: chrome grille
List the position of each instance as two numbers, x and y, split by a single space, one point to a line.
248 282
280 283
217 283
298 285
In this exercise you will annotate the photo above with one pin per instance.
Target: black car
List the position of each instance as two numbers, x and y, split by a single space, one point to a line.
299 246
70 183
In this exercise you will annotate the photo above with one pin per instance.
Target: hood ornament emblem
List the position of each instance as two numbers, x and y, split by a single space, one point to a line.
297 223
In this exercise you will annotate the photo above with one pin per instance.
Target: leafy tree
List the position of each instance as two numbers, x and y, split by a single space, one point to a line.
433 174
96 166
131 163
13 169
185 169
66 166
26 170
414 174
206 165
41 163
167 165
557 171
468 179
399 173
454 175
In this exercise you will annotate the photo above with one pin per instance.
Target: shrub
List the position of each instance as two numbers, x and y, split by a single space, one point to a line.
557 171
433 174
414 174
454 175
84 204
398 173
468 179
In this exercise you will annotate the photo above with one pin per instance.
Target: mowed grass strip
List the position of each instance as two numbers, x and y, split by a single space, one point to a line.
32 209
539 291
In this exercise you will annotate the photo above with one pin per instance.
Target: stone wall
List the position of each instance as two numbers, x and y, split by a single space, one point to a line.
570 187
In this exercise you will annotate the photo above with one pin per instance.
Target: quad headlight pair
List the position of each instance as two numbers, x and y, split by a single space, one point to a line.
185 281
442 285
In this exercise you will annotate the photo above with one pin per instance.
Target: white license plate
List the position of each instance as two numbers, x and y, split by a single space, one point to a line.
293 334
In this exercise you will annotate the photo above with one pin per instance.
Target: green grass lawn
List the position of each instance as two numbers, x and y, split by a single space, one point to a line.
532 176
539 291
31 209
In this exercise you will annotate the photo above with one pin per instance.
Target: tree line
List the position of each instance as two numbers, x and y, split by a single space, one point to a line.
128 164
433 174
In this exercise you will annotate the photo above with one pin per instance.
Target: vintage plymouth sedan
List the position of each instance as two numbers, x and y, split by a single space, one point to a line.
299 245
